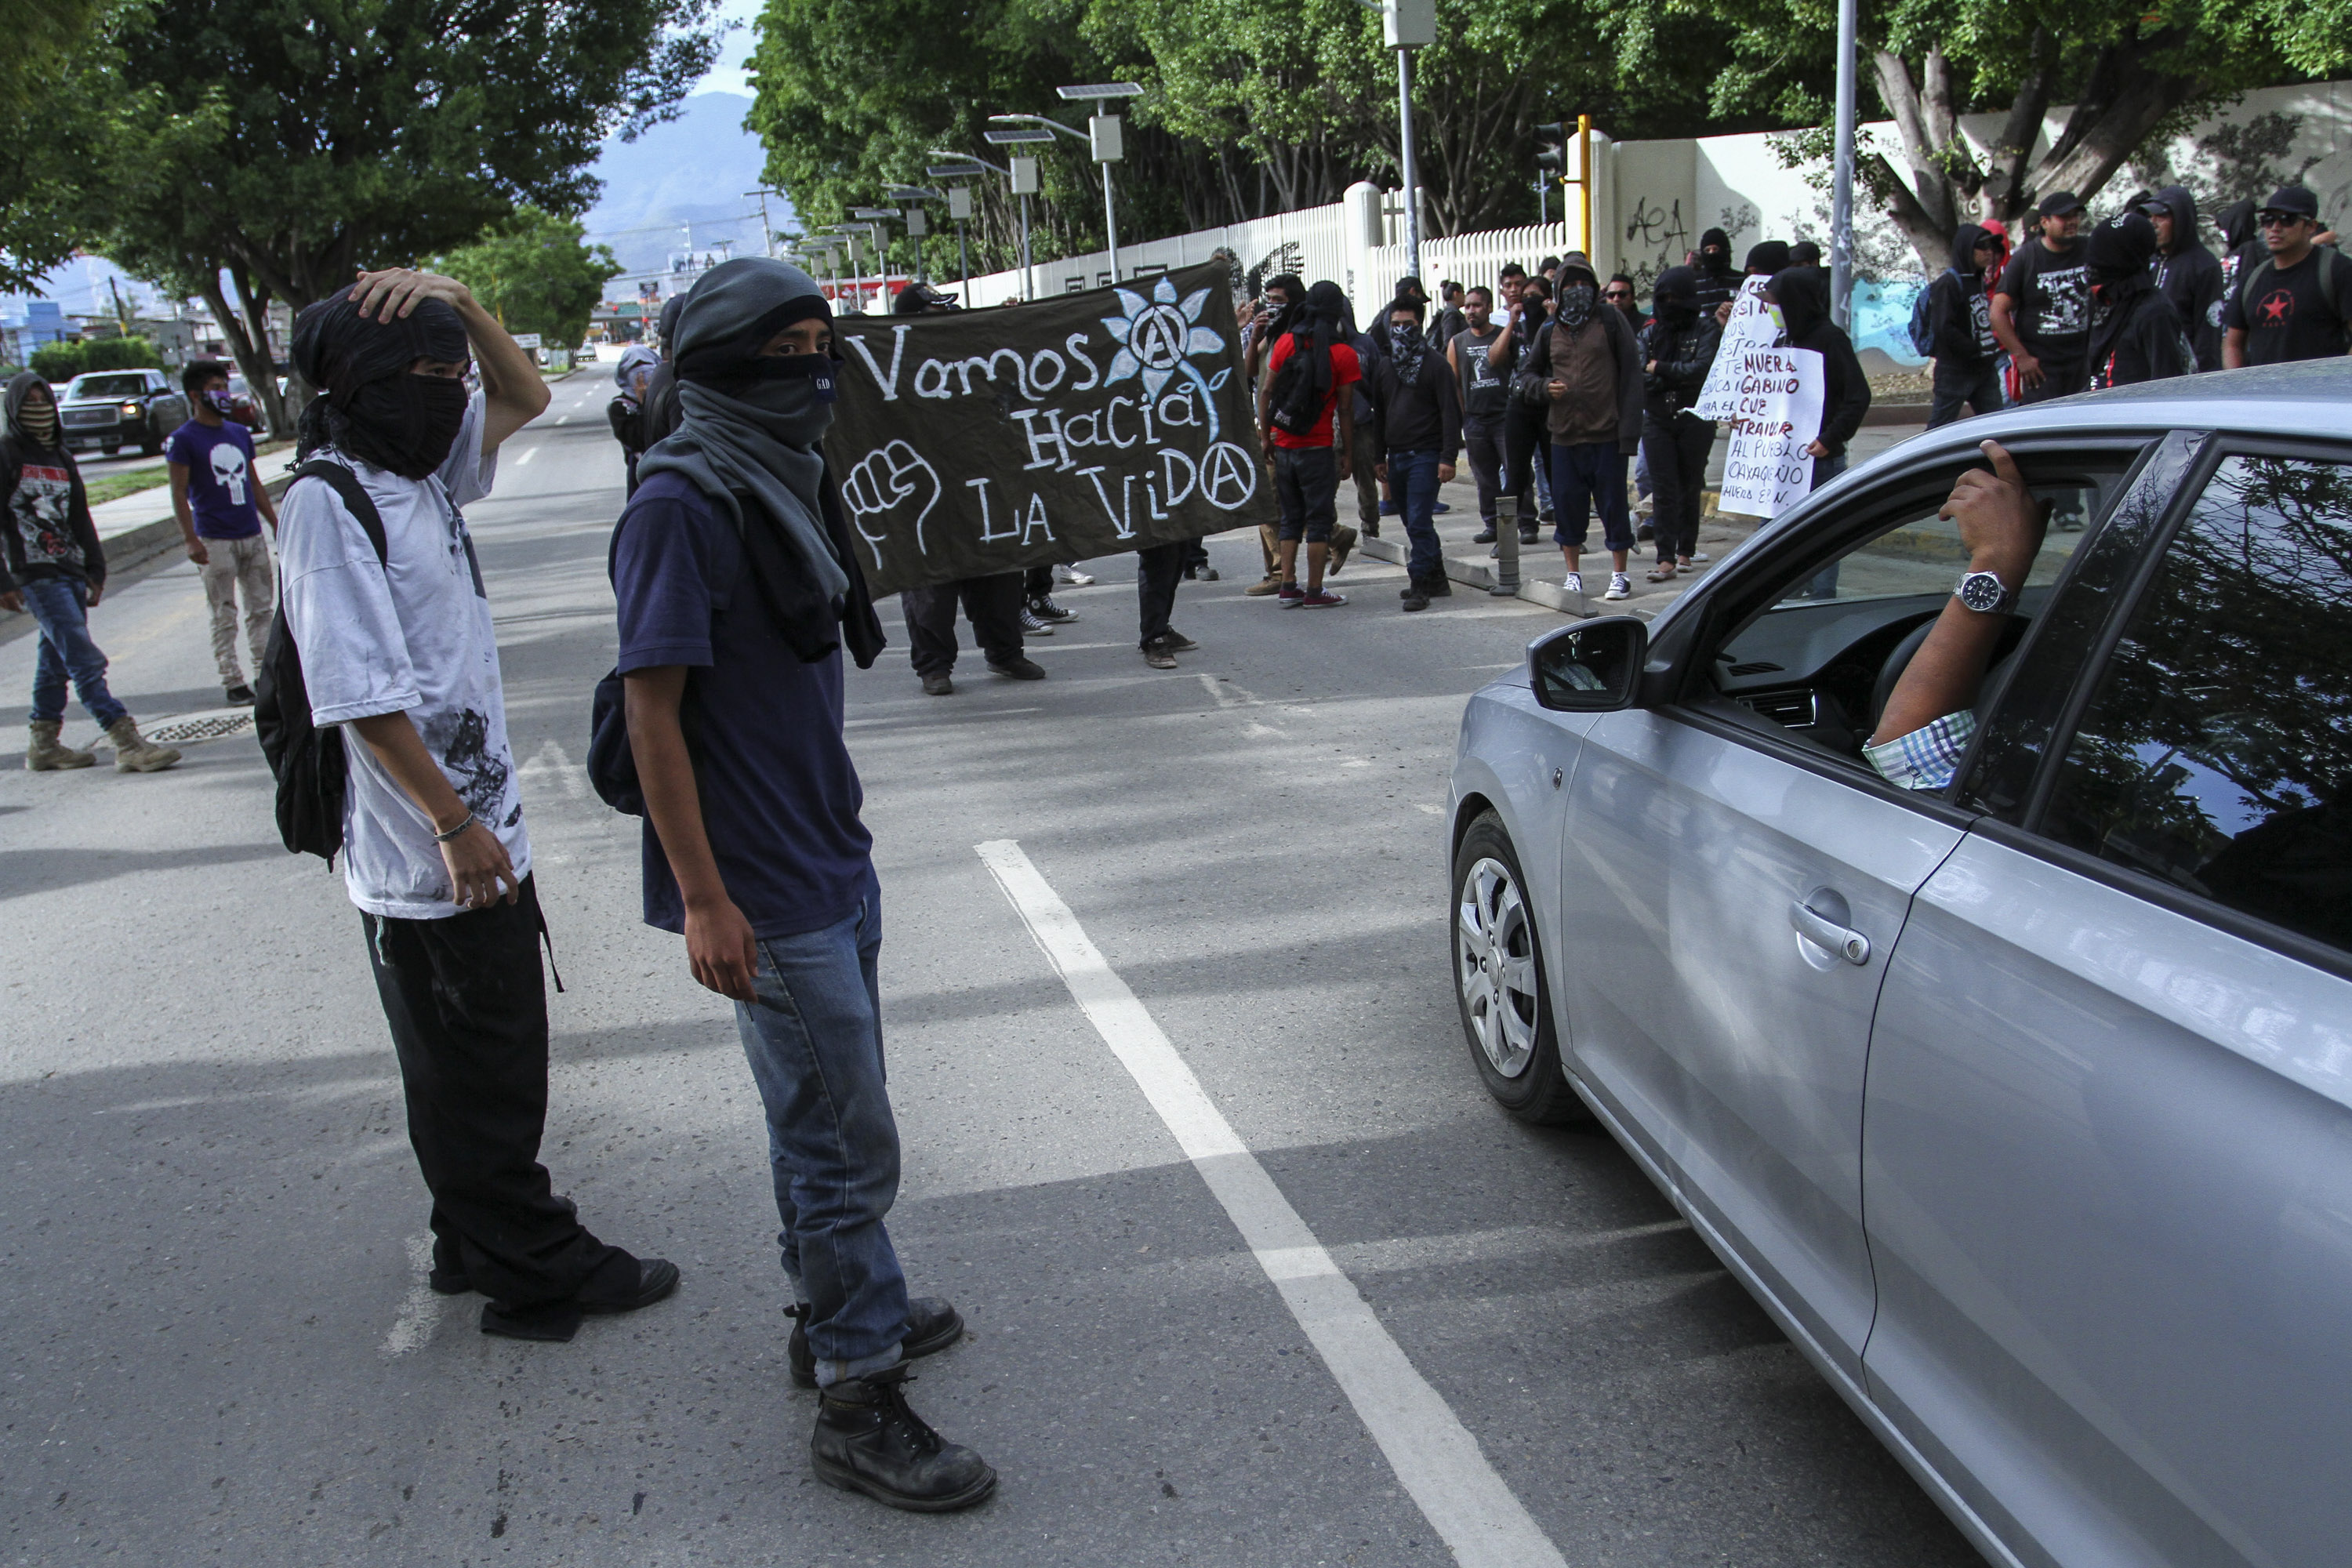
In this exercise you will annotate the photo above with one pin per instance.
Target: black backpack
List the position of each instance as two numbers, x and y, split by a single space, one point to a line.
308 762
1293 404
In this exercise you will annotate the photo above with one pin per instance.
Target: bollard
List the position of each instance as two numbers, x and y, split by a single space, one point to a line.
1507 548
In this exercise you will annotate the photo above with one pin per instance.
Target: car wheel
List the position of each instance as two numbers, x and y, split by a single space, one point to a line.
1500 984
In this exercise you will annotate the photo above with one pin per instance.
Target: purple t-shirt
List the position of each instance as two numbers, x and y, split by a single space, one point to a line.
780 795
219 461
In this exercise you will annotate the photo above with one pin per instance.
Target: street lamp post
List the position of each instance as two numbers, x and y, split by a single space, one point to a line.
960 207
1841 175
874 217
1022 173
1106 139
918 220
1407 25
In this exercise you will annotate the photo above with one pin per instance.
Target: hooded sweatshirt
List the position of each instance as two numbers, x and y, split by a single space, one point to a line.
1960 307
1681 339
1589 347
2136 333
2242 244
1416 406
45 521
2190 276
1804 293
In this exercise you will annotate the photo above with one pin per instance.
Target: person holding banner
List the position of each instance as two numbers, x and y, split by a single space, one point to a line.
737 586
1799 300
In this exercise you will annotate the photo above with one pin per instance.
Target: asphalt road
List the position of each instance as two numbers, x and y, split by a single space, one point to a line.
221 1350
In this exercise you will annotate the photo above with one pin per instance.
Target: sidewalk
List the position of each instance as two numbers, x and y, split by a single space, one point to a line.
1542 565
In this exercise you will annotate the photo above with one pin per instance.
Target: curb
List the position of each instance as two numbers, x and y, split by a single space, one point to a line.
1474 575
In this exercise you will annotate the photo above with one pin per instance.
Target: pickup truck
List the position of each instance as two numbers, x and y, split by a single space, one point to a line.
112 409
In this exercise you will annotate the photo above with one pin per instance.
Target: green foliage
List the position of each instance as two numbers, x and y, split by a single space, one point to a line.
63 362
536 273
1250 106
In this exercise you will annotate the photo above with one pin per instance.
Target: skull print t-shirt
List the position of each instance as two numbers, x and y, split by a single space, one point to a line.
219 461
411 634
2051 296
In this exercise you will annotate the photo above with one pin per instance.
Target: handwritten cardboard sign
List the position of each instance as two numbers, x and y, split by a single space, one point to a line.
1776 414
1749 328
975 442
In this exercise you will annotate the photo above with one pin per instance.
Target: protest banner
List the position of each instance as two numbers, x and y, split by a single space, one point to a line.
1775 414
969 443
1749 328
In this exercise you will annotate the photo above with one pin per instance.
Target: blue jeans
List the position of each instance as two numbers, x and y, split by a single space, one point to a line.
814 1040
60 607
1413 477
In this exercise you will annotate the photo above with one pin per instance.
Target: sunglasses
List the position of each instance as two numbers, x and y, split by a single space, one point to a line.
1617 294
2277 220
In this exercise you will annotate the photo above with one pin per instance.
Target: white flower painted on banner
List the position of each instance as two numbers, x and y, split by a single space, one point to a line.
1156 336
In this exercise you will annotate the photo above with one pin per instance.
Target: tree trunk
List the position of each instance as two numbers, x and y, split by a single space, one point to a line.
283 413
259 374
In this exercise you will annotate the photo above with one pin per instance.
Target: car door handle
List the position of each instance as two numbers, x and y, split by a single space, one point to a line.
1823 931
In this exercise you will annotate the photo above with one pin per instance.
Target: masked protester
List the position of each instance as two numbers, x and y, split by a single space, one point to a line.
1306 405
1677 350
738 590
2240 246
2136 333
402 652
220 503
1718 280
1799 301
1590 367
1959 324
1527 465
51 564
2186 272
1415 434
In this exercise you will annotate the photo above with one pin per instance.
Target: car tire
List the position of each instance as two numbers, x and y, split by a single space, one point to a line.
1499 985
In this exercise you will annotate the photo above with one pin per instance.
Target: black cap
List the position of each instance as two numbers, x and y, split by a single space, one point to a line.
920 298
2292 199
2058 204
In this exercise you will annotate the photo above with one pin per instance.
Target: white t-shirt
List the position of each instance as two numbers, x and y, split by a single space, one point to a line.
413 635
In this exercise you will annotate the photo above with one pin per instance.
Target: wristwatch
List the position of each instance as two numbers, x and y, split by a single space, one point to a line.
1983 592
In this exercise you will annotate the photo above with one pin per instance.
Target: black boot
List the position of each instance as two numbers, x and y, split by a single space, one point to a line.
867 1440
1486 535
931 1327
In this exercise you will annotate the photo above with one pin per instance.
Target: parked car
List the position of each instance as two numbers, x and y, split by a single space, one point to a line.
2024 1106
112 409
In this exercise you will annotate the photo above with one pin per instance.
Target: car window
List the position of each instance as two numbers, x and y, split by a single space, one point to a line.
116 385
2217 753
1819 657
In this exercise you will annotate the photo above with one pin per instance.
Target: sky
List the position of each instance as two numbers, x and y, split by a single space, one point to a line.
735 52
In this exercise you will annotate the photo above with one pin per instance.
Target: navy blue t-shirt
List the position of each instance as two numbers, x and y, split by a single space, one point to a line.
780 795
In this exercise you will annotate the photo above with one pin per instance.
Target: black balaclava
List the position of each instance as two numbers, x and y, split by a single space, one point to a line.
1965 241
2237 222
2115 260
1676 296
41 436
371 407
1580 292
667 328
1768 256
1715 251
1803 296
1317 322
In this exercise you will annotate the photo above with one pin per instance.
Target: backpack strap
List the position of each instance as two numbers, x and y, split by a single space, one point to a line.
2254 274
346 484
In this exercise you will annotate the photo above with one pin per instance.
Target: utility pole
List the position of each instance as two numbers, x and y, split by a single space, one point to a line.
1841 175
1407 25
767 235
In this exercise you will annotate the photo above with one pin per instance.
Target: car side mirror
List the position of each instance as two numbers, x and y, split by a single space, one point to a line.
1593 666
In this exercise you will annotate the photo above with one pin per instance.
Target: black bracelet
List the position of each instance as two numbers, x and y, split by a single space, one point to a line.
458 831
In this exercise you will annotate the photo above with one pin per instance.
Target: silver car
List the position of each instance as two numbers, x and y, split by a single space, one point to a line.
2024 1106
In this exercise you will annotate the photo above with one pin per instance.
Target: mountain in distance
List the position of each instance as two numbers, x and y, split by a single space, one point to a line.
691 171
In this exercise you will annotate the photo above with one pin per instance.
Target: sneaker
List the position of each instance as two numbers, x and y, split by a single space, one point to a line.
239 695
1486 535
1620 586
1159 655
1322 599
1270 583
1177 642
1698 555
1442 505
1343 544
939 685
1019 669
1073 576
1034 627
1289 593
1573 583
931 1327
1045 609
868 1440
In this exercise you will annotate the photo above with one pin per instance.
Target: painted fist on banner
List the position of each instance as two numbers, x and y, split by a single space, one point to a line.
893 480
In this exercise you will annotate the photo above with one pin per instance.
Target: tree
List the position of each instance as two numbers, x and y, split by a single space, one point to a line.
63 362
46 101
536 273
2131 69
290 142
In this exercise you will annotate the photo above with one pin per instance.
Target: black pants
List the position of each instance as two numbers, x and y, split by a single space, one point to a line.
2061 376
992 604
1677 452
1158 570
1526 441
1037 583
468 1009
1482 438
1977 385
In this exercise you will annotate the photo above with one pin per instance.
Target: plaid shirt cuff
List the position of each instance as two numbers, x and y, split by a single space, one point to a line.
1926 758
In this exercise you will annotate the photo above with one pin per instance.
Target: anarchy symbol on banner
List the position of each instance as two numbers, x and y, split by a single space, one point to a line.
1228 478
1158 337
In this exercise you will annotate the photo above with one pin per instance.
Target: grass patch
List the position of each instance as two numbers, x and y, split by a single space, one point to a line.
114 487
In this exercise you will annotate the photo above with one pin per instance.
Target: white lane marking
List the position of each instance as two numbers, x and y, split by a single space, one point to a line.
1433 810
527 454
422 1313
551 758
1434 1455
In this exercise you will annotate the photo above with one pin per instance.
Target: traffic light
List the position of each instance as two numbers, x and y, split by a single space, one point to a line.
1551 149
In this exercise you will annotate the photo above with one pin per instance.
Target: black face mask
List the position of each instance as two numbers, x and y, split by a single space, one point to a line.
403 422
743 381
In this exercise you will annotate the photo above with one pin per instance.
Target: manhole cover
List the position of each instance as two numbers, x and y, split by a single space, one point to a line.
217 725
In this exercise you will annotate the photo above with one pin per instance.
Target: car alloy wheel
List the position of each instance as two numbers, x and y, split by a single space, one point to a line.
1494 947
